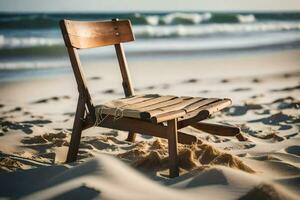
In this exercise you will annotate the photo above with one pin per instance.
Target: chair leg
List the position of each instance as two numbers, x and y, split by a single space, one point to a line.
219 129
131 137
172 147
76 132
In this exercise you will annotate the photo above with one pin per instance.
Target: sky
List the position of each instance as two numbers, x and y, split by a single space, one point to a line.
146 5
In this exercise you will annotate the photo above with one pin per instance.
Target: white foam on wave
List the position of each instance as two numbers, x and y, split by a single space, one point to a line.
216 43
41 64
193 18
161 31
23 42
206 29
246 18
164 46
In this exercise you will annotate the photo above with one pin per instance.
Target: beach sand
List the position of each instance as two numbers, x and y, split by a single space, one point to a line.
36 118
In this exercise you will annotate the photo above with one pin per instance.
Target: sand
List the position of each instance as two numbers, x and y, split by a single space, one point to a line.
36 118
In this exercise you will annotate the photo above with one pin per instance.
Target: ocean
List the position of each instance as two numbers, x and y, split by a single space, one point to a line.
31 44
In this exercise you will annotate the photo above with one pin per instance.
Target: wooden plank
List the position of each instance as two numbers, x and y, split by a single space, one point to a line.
76 132
131 109
199 104
120 36
201 115
217 129
210 108
183 112
98 33
150 102
162 104
121 103
172 147
170 108
77 69
144 127
168 116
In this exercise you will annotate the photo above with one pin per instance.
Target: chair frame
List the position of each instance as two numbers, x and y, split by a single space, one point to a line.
85 113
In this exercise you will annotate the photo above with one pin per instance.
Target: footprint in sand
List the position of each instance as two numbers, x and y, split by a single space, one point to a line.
293 150
263 112
109 91
55 98
16 109
94 78
287 75
37 122
204 91
151 87
286 103
192 80
241 89
70 114
6 125
271 136
279 119
165 86
249 146
242 110
256 80
257 96
224 81
287 89
291 135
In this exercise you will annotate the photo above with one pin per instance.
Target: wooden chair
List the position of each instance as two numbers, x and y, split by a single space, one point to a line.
151 114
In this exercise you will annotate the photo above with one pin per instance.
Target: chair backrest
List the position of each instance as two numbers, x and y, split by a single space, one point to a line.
90 34
87 34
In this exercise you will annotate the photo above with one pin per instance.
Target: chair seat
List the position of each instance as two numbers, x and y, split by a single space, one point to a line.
160 108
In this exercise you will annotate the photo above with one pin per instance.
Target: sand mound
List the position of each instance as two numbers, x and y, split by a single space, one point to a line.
154 156
57 139
266 192
105 177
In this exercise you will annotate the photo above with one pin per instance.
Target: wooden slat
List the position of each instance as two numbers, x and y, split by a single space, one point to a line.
167 109
201 115
120 103
99 33
132 108
210 108
199 104
163 104
170 108
125 110
168 116
150 102
129 99
217 129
